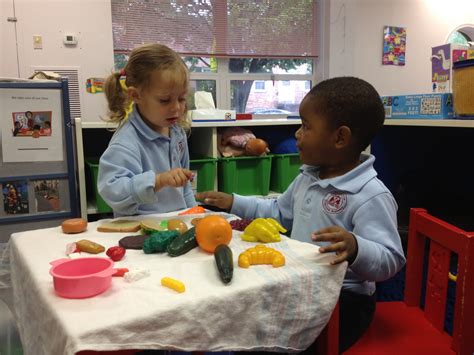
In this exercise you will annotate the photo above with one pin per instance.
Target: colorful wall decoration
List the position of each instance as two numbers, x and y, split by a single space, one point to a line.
394 45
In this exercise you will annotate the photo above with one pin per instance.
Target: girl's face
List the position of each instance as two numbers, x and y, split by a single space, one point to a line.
163 102
314 139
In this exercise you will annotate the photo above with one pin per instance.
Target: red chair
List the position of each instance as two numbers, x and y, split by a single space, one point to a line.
403 327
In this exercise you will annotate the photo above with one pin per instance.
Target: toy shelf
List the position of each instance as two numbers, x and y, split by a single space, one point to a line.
429 123
203 140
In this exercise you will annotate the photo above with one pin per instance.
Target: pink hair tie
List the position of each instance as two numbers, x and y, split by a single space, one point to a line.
122 72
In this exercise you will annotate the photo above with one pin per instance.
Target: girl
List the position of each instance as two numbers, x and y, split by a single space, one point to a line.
145 168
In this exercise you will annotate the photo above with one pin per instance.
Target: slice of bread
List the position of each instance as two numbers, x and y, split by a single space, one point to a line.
119 225
150 225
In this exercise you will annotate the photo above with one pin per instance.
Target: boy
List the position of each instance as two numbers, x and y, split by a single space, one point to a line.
337 200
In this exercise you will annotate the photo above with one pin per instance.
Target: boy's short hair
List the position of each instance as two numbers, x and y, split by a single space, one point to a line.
352 102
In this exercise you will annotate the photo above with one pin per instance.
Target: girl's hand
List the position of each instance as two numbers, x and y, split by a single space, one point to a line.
174 178
218 199
342 242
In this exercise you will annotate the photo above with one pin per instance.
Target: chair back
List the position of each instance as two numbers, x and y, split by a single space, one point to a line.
444 240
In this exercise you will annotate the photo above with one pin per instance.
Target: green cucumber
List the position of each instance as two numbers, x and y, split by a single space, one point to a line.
224 262
183 243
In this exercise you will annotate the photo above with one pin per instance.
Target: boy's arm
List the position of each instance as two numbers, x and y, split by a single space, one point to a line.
280 209
380 254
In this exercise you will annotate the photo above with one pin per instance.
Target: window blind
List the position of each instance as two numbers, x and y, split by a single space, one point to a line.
232 28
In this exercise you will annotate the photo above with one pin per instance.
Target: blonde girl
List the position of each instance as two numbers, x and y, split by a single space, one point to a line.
145 168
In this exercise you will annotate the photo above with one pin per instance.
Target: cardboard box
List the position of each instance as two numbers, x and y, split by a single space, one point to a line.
211 115
442 59
425 106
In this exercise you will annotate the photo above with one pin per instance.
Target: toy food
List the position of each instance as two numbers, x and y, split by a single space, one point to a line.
150 225
71 248
177 224
133 241
240 224
182 243
193 210
158 241
265 230
224 262
74 225
119 226
212 231
120 272
256 147
136 274
89 246
195 221
261 254
115 253
173 284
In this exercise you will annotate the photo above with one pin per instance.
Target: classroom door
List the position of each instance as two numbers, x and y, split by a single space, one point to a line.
8 50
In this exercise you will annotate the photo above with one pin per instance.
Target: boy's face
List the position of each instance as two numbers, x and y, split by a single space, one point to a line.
314 139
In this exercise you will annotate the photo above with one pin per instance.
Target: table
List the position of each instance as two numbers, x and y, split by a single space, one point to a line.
263 308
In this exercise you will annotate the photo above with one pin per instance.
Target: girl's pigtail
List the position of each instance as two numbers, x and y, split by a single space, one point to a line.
117 98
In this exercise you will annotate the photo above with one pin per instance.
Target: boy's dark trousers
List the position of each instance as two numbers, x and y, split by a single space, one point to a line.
356 312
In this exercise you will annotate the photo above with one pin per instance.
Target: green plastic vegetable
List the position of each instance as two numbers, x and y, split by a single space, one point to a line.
183 243
224 262
159 241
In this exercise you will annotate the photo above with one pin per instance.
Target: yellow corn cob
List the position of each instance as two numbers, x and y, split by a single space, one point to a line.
176 285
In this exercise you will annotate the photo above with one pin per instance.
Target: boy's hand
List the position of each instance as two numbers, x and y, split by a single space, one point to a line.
218 199
342 242
173 178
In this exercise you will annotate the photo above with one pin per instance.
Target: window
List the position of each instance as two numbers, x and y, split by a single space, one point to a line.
259 86
229 47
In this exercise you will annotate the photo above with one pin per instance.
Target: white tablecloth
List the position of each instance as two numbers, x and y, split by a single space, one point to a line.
264 308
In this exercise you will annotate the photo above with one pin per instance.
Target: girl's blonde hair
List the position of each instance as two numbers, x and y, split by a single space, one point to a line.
142 62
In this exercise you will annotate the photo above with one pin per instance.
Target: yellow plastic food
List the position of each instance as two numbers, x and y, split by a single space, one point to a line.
89 246
173 284
265 230
177 224
261 254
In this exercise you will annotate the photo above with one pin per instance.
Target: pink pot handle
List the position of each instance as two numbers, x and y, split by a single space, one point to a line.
59 261
56 263
106 273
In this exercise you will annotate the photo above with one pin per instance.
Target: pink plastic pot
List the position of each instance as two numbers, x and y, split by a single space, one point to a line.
81 278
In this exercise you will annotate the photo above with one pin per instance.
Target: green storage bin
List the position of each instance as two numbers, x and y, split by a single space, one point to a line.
285 168
204 169
245 175
93 164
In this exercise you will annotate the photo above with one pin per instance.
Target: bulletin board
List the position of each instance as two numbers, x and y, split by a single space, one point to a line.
37 166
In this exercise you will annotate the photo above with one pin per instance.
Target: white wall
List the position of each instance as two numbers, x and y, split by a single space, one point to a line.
356 38
90 20
351 40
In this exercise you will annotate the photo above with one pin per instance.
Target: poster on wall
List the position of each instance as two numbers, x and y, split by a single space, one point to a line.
394 45
31 125
15 197
47 197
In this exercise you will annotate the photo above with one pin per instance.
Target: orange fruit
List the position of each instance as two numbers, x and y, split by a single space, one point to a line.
212 231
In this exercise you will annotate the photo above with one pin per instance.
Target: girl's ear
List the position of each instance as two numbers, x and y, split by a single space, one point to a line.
133 94
343 137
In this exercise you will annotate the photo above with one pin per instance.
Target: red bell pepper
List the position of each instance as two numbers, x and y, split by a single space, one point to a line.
116 253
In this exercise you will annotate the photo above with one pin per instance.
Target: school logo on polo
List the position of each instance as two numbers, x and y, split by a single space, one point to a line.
334 202
181 148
